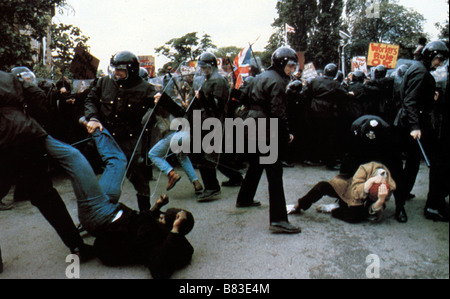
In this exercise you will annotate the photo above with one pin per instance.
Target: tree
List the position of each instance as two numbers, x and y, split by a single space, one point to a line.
394 25
64 40
316 26
444 31
20 22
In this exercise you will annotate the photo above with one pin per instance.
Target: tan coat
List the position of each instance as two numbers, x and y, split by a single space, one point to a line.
351 190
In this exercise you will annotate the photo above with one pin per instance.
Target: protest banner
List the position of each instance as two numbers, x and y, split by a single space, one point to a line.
147 62
309 71
359 63
84 65
384 54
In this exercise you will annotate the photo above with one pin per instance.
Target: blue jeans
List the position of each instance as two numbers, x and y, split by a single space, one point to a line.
160 150
97 200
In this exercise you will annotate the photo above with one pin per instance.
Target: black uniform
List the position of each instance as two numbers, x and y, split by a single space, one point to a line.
212 101
22 151
267 99
327 98
383 105
120 108
417 95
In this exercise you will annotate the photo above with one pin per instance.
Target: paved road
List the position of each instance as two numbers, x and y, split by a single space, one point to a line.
236 243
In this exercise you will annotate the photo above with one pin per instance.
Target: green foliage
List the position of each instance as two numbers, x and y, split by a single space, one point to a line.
33 16
64 40
185 48
395 25
316 24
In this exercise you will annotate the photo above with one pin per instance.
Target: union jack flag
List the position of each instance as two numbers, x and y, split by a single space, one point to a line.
290 29
242 65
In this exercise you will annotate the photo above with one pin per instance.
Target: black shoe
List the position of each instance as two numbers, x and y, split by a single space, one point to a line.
232 183
208 195
1 267
436 215
84 252
400 215
284 227
246 205
410 196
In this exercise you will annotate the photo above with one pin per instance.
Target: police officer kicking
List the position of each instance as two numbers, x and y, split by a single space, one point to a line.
118 102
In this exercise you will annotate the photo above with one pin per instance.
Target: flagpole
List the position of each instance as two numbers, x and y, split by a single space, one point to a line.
285 35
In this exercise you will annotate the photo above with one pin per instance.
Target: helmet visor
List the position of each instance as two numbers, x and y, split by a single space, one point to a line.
118 72
28 77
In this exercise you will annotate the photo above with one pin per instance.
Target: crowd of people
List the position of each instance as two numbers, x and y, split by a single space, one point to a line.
123 126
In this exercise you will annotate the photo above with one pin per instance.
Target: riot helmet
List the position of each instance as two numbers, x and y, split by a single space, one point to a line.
143 73
127 62
358 76
208 63
284 56
330 70
254 68
24 74
435 49
208 59
380 71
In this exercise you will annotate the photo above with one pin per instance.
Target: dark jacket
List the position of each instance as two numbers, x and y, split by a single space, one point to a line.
16 127
417 95
138 238
267 99
120 108
213 96
383 105
364 101
327 96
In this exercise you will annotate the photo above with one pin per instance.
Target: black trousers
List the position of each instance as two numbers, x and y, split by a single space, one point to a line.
30 162
325 132
274 173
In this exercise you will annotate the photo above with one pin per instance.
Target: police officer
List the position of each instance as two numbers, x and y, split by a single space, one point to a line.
213 102
383 103
372 139
327 97
414 123
267 99
118 102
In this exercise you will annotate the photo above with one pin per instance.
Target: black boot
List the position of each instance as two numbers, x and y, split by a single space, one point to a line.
143 202
85 252
400 215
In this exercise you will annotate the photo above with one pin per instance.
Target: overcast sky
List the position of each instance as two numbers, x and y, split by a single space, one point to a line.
142 25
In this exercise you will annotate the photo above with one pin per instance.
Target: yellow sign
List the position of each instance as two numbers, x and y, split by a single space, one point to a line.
384 54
